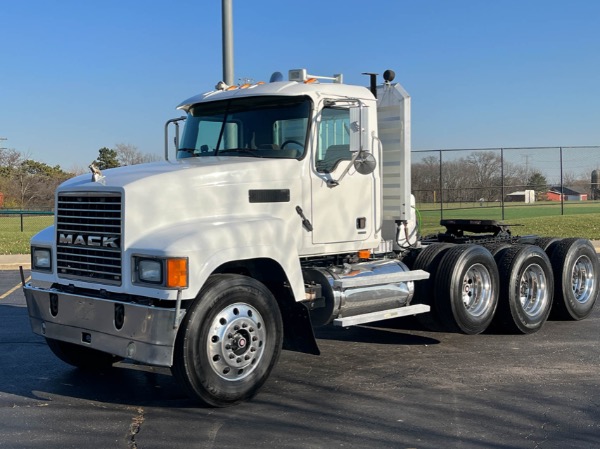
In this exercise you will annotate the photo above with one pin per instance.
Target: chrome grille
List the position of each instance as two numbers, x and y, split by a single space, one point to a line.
88 236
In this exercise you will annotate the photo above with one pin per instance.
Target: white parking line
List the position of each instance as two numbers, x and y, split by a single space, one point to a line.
12 290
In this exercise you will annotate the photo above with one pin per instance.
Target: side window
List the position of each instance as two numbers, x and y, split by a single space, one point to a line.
334 139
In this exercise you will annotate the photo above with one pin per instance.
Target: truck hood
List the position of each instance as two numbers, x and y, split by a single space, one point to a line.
159 195
197 171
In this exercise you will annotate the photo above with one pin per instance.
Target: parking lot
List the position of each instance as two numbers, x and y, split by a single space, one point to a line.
389 385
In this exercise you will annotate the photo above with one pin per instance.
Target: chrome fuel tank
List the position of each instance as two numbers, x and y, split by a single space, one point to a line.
356 289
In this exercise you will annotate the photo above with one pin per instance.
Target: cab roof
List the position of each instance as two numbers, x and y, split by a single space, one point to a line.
315 90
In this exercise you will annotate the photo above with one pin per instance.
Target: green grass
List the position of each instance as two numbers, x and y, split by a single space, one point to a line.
12 240
581 219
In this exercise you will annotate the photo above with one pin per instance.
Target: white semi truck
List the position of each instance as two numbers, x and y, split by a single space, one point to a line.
287 206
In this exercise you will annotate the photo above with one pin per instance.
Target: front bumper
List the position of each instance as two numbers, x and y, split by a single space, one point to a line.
147 334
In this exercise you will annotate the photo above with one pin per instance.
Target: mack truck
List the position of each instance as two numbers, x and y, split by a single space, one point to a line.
280 207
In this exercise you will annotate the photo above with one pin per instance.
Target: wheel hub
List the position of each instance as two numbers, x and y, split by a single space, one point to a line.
533 293
582 279
236 341
476 290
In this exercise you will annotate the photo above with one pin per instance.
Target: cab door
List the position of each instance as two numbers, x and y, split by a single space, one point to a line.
342 212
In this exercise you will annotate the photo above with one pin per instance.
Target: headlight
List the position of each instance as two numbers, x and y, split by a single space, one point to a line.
167 272
41 259
150 270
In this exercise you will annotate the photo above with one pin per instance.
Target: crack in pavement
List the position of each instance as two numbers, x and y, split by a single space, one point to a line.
134 428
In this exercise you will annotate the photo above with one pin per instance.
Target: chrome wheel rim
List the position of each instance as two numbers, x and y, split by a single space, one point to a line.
477 290
236 341
533 292
582 279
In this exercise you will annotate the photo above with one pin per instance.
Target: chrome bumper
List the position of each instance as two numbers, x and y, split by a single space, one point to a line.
147 335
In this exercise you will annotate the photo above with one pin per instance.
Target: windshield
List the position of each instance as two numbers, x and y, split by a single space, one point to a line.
272 127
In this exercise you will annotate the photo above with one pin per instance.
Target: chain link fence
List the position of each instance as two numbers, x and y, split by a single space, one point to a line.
506 183
25 220
18 226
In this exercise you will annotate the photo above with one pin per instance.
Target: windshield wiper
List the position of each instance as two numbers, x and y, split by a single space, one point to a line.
238 150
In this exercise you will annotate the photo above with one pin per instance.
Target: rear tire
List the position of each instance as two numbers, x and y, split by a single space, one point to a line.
545 242
428 259
467 289
576 269
526 289
229 341
82 357
495 247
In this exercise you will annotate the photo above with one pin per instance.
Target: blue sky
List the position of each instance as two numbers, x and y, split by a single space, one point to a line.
80 75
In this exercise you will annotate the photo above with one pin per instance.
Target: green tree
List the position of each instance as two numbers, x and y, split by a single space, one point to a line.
537 182
31 184
107 158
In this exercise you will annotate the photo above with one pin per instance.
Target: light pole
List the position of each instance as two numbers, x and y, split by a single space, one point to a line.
227 42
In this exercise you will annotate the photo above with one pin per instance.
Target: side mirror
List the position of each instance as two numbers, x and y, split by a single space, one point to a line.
358 125
365 163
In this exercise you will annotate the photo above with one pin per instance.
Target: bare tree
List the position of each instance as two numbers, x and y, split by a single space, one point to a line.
128 154
426 179
10 158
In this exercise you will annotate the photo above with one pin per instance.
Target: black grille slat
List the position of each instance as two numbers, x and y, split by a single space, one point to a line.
88 237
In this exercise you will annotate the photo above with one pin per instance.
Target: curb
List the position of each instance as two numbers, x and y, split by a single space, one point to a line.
14 266
14 261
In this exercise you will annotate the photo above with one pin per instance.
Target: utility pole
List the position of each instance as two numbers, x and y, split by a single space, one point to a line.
3 138
227 42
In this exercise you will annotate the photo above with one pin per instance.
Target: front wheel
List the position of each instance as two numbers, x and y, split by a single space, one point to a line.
229 341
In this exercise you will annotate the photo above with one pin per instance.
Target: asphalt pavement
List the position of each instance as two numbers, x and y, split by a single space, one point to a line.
386 385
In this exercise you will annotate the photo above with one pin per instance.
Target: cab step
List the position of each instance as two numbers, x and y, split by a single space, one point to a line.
382 315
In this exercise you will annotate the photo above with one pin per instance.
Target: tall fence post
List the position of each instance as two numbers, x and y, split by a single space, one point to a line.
441 190
21 215
502 192
562 192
